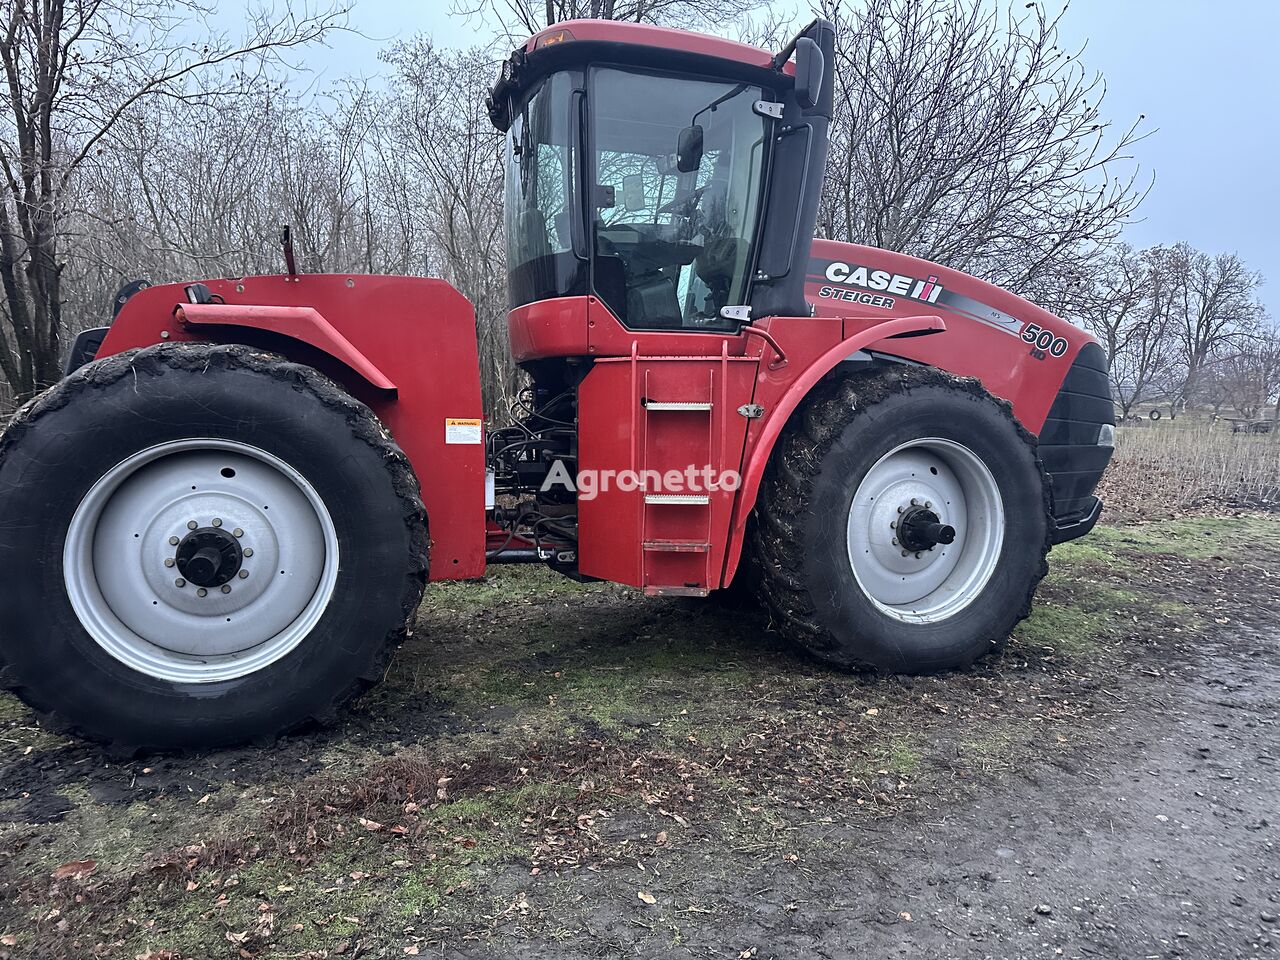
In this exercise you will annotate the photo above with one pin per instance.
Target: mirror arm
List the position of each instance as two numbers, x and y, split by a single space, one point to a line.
782 56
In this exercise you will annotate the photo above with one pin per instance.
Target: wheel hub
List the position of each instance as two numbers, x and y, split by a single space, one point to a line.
200 560
209 557
920 529
911 564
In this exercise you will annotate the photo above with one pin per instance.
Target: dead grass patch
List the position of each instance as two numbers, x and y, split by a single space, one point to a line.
1170 468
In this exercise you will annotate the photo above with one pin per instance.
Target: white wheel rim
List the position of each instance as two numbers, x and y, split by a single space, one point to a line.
925 586
120 560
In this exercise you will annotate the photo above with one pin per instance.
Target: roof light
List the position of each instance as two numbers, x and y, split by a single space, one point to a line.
549 39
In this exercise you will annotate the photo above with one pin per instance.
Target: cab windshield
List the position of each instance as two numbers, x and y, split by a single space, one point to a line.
668 215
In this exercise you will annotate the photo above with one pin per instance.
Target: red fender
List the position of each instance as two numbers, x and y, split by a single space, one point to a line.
758 458
299 323
405 346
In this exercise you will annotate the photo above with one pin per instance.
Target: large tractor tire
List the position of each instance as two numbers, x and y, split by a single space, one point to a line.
904 522
200 546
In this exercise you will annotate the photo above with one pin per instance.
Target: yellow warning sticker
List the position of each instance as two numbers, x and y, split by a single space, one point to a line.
462 430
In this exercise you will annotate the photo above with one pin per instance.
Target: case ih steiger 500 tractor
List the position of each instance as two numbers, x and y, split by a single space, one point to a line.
215 528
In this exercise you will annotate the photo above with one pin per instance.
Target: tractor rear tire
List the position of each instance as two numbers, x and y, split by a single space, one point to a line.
201 545
851 523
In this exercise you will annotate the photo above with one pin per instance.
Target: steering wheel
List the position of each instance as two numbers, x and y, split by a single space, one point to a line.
689 202
647 248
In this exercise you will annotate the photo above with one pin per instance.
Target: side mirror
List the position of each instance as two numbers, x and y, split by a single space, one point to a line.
810 67
689 149
633 192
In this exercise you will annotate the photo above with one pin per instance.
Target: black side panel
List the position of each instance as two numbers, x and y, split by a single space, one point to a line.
85 348
794 186
1069 441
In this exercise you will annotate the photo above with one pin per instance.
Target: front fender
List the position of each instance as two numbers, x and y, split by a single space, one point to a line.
760 449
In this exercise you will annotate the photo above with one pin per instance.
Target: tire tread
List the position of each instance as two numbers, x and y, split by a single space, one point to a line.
838 404
84 383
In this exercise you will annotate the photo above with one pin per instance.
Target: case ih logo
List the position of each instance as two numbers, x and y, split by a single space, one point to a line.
897 284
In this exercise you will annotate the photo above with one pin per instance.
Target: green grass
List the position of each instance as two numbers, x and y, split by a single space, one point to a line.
1193 538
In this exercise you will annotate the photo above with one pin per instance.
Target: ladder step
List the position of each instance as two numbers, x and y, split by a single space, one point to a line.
677 405
677 546
676 591
690 499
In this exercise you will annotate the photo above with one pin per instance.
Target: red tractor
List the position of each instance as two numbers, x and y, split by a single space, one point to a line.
215 528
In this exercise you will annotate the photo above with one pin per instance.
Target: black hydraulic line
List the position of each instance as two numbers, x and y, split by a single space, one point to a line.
513 555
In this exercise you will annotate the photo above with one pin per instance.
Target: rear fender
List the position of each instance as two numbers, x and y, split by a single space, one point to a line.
404 346
304 324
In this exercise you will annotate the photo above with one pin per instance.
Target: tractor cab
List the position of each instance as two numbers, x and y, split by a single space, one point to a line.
673 177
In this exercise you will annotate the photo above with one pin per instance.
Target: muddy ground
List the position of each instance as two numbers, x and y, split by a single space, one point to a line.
557 771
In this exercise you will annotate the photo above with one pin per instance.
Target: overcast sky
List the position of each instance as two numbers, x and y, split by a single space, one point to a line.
1202 73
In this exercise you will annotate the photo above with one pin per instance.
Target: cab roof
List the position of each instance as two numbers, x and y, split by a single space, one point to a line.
644 34
575 43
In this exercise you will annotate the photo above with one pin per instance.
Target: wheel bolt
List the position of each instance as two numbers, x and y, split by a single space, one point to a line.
895 541
919 555
243 574
902 509
906 553
179 582
168 561
217 522
928 505
191 524
915 502
893 524
226 588
202 592
173 541
248 551
237 533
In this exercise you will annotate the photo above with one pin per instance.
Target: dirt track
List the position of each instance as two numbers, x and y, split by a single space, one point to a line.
542 756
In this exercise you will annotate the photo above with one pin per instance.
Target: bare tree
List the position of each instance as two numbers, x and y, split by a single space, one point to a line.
969 136
438 141
73 71
1216 309
1121 305
1251 376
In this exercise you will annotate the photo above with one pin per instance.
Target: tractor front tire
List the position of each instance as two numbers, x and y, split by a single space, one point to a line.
201 545
904 522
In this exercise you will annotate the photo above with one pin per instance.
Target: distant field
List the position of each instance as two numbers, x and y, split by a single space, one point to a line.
1168 468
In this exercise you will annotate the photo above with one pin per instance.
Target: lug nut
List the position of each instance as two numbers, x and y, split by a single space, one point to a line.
237 533
906 553
248 551
226 588
902 509
919 555
217 522
915 502
895 541
202 592
168 561
928 504
173 541
243 574
179 582
191 524
893 524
